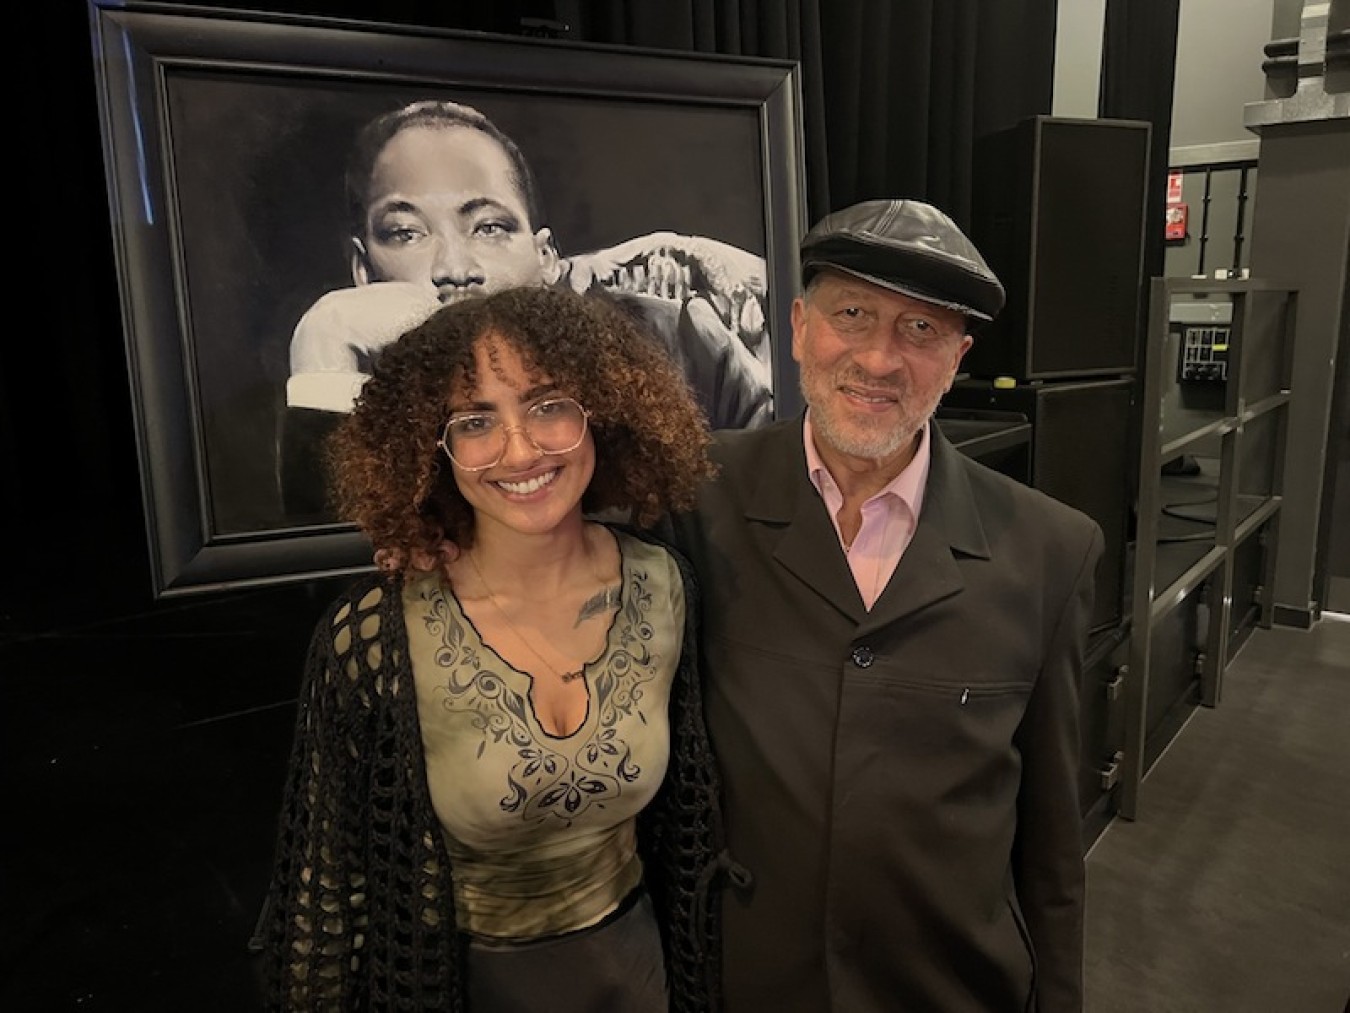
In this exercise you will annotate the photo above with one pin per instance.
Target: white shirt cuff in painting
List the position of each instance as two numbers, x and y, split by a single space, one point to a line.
331 391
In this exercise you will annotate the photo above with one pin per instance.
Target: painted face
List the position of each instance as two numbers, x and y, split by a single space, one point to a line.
873 364
444 209
526 491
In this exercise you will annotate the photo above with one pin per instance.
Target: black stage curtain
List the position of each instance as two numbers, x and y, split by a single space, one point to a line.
894 92
1139 51
1139 55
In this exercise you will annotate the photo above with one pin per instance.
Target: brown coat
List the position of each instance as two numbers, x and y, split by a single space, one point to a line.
900 783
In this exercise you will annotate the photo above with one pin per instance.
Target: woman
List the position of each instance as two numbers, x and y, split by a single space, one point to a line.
501 795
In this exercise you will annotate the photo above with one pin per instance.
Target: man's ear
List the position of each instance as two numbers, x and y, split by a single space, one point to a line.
798 318
966 342
962 349
361 272
550 264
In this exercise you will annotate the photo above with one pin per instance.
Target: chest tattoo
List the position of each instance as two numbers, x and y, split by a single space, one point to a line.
600 603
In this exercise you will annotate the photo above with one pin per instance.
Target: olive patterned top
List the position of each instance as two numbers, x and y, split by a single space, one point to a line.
541 828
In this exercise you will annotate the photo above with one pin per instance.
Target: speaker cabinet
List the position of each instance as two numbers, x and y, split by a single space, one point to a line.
1079 455
1058 210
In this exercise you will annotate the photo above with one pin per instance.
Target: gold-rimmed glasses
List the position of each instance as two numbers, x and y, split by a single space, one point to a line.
476 441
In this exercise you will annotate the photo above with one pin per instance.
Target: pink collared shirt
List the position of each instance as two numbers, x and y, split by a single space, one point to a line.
888 518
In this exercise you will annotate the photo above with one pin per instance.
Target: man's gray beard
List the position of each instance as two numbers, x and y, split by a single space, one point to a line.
873 445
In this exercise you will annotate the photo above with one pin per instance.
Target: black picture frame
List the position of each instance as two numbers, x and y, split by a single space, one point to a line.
221 133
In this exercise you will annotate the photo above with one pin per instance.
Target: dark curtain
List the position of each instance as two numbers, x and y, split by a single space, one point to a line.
1139 51
1139 54
894 92
782 31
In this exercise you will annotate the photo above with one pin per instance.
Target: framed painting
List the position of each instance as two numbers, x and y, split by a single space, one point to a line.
229 139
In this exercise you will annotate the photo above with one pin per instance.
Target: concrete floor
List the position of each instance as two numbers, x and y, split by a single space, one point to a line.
1230 892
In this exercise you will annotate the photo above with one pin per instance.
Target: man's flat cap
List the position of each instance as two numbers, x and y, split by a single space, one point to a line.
909 247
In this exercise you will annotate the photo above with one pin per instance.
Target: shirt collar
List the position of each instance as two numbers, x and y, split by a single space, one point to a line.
908 486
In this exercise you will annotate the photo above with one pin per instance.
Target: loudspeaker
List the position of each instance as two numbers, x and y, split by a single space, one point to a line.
1079 455
1058 211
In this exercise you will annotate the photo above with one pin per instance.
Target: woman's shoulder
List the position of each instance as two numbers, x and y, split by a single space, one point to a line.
365 591
349 613
638 545
636 542
363 633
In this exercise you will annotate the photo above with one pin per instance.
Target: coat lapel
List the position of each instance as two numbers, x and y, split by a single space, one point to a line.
808 546
949 527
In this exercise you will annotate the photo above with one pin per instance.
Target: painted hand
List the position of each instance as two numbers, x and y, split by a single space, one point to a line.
674 266
332 343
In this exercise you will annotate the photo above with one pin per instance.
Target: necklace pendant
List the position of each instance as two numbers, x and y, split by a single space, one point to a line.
571 676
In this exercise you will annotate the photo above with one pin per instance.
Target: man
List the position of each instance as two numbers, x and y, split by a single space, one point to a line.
893 639
444 206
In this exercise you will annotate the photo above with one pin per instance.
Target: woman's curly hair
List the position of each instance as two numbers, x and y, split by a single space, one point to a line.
393 481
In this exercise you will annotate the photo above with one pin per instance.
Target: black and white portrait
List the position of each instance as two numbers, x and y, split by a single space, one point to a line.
320 219
287 194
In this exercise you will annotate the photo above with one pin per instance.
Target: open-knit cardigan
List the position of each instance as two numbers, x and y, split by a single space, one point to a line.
360 911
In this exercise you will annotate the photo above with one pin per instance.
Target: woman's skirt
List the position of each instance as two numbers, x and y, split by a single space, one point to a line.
614 966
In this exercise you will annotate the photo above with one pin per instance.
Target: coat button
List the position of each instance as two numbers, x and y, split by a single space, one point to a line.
863 656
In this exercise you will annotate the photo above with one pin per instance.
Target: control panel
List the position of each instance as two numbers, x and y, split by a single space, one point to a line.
1204 354
1201 331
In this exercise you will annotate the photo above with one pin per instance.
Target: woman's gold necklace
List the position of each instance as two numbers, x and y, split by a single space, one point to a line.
565 677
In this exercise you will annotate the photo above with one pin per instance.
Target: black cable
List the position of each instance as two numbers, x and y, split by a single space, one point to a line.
1170 510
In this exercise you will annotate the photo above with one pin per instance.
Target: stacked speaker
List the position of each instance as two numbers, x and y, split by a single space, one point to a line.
1059 213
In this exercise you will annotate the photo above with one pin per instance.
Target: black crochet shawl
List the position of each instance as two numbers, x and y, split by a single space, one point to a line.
360 910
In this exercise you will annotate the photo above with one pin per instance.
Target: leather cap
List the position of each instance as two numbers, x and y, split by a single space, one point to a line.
908 247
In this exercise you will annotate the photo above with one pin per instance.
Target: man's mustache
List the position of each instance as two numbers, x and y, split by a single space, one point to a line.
854 377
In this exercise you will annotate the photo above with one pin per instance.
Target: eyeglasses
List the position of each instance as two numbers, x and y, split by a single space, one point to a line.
476 441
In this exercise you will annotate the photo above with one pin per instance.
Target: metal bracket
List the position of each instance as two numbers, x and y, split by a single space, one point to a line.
1109 772
1113 685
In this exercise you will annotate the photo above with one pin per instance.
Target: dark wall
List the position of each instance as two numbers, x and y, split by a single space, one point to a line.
142 743
68 448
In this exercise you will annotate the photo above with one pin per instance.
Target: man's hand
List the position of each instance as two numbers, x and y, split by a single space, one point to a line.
334 340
